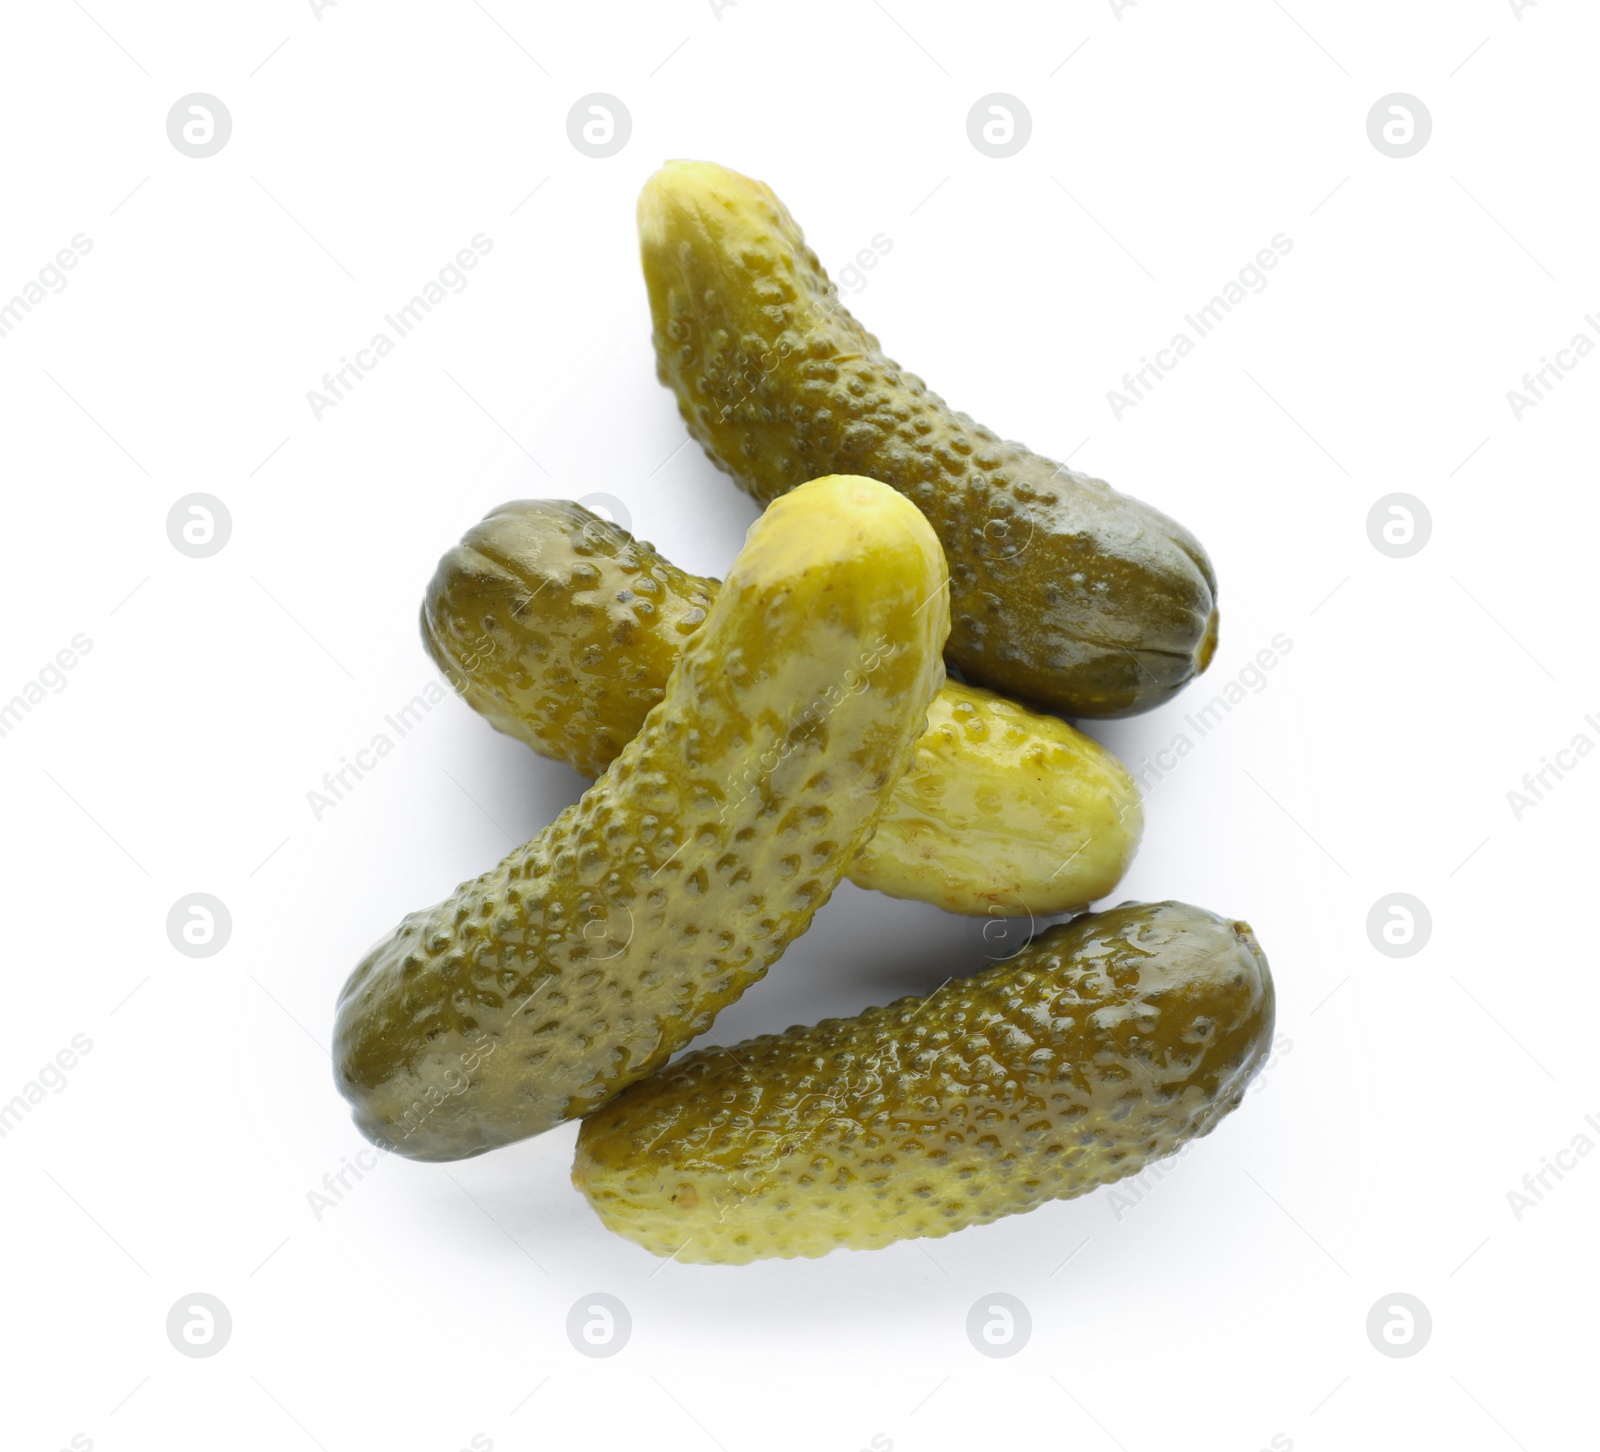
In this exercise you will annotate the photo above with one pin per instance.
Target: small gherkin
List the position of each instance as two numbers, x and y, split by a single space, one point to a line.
1064 593
591 953
1104 1044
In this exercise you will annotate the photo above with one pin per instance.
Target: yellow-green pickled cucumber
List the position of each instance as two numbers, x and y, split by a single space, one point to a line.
1104 1044
1063 591
579 964
562 629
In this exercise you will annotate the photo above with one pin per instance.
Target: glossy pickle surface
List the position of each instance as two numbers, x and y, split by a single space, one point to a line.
561 629
579 964
1104 1044
1064 592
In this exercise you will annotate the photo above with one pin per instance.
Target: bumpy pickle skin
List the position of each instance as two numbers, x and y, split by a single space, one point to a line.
1064 592
561 629
1106 1043
579 964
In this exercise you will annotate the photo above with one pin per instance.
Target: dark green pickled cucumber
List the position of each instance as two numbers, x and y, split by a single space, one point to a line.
559 628
579 964
1064 592
1106 1043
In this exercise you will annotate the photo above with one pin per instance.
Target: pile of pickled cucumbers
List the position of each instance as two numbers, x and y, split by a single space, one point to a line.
756 739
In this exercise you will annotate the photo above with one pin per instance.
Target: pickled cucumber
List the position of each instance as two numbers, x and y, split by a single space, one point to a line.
1063 592
579 964
1104 1044
562 629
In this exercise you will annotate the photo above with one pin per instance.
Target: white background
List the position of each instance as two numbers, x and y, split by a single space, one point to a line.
1169 144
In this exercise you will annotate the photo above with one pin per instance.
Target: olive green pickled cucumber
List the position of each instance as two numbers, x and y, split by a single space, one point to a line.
580 963
562 629
1063 591
1104 1044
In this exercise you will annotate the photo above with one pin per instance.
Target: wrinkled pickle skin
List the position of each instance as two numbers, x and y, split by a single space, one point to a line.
591 953
1106 1043
561 629
1064 593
